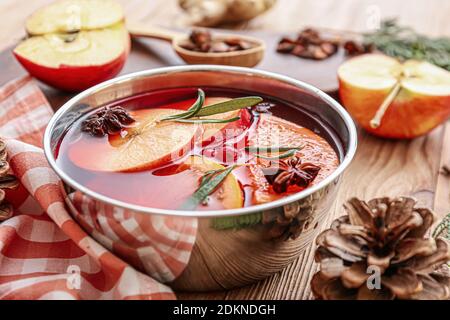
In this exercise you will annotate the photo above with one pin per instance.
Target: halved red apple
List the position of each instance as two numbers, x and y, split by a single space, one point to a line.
68 16
393 99
74 62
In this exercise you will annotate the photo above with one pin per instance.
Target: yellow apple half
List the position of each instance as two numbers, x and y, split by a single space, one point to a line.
74 62
66 16
421 103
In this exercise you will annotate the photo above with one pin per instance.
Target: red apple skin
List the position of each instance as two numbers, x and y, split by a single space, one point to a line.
409 116
76 78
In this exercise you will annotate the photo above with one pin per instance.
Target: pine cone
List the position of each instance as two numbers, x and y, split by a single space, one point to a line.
7 181
385 237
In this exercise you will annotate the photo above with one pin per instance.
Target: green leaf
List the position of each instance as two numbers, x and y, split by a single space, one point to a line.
206 188
271 149
192 111
230 105
285 155
404 43
207 120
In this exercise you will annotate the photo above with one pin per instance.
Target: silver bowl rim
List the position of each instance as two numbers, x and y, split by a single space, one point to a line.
350 126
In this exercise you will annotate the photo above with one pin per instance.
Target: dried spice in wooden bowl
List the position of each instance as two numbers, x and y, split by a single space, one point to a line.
201 40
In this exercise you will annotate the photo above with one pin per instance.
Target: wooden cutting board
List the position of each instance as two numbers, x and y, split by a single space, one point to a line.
149 54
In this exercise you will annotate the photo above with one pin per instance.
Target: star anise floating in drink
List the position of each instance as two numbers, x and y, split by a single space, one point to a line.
108 120
292 172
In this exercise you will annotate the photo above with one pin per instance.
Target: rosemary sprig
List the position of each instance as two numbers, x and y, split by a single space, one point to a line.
209 183
404 43
271 149
289 152
192 111
285 155
230 105
197 110
207 120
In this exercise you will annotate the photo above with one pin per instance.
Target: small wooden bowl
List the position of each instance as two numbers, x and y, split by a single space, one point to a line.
242 58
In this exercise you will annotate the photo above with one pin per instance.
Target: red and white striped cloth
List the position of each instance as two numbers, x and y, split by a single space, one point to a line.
45 254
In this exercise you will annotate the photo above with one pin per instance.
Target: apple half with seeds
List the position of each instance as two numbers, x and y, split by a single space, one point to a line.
74 49
393 99
68 16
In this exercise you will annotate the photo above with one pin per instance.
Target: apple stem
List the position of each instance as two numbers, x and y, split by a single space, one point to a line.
376 120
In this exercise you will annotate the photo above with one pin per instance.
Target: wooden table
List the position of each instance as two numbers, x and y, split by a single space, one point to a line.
381 167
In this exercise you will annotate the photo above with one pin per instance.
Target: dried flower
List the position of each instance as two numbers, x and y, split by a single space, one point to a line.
292 172
108 120
379 251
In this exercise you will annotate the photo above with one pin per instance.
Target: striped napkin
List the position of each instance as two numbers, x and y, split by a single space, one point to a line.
46 254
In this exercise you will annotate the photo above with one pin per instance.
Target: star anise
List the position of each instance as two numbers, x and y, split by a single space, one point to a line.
292 172
108 120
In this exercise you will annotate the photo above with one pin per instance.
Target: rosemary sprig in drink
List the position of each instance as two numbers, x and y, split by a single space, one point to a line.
207 120
197 110
287 152
208 184
192 111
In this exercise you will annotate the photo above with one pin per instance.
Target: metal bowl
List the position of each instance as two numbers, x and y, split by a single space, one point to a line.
221 258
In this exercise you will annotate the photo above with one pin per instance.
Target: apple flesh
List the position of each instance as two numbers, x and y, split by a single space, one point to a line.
228 195
74 62
147 144
75 44
67 16
421 103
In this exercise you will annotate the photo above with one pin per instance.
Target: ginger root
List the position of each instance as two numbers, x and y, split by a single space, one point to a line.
209 13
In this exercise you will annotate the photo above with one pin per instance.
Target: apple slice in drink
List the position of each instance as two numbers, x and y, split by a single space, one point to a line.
74 62
228 195
393 99
67 16
148 143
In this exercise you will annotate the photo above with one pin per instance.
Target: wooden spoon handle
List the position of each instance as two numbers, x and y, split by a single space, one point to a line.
147 31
